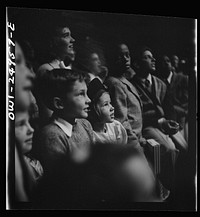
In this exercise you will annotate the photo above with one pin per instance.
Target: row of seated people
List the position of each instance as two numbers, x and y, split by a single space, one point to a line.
79 112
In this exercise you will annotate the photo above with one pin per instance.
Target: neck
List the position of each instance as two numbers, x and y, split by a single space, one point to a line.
129 73
143 74
70 120
99 127
166 74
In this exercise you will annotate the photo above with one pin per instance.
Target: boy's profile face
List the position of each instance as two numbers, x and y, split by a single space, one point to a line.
23 80
123 59
105 109
76 102
65 42
148 62
23 131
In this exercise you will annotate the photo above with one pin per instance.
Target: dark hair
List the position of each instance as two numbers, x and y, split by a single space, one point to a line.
95 90
93 117
56 83
140 51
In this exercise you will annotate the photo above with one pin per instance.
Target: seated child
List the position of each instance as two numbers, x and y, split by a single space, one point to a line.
26 176
106 128
23 137
68 133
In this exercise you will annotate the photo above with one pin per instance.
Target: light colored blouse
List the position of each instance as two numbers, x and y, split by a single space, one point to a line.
115 133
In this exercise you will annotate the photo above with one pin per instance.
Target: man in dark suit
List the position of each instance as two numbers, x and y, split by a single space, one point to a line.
177 86
126 101
158 113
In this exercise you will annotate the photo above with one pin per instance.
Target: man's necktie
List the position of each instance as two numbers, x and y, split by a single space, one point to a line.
148 85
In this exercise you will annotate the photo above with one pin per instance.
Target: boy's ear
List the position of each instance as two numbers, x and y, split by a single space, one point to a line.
58 103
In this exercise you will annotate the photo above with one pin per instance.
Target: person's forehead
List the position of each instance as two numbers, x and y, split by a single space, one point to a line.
105 96
165 57
123 48
63 30
147 52
94 56
175 57
21 115
79 85
18 50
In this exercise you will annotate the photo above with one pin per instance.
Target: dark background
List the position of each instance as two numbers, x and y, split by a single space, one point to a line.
171 35
101 30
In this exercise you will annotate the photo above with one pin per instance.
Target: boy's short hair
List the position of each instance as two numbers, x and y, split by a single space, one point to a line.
57 83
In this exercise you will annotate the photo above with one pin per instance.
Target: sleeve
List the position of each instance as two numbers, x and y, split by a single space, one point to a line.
53 148
119 101
88 127
168 107
124 134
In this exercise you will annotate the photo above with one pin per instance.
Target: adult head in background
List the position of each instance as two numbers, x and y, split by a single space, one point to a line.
96 69
175 63
164 66
91 60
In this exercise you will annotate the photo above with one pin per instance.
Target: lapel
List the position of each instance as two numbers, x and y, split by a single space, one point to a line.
131 88
153 96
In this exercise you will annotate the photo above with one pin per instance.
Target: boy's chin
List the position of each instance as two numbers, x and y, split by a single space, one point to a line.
111 120
84 115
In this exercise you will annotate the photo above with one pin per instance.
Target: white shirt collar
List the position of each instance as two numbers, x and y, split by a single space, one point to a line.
64 125
170 77
92 76
149 78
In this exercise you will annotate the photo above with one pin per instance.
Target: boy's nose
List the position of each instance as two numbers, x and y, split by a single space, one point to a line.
88 100
30 129
112 108
72 39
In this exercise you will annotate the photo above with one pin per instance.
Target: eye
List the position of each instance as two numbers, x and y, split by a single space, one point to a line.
106 104
82 93
66 35
20 123
127 55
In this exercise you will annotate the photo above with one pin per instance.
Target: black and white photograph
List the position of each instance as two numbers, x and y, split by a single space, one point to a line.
101 111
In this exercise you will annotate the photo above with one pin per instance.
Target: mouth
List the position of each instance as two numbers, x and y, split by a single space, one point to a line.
29 141
28 87
71 46
112 115
86 109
